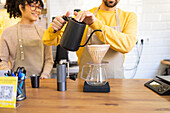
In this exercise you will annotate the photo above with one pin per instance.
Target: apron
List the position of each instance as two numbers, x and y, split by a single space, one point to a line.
29 54
114 69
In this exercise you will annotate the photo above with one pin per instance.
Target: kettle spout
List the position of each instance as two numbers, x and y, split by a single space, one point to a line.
90 37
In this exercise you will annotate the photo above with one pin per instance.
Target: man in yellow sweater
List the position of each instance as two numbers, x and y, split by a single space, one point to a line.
119 27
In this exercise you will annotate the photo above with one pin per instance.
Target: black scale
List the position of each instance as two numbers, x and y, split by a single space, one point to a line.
160 85
103 89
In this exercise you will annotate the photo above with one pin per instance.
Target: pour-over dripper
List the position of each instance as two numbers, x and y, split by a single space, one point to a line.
97 52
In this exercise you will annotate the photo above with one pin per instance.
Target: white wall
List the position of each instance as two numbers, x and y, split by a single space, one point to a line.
153 27
153 21
60 7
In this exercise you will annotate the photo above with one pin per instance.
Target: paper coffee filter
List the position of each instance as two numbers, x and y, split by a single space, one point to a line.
97 52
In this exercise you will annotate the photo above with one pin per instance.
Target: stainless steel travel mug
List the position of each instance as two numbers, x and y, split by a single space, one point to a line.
35 80
61 77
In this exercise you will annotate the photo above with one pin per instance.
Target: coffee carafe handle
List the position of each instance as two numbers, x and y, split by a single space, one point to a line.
90 37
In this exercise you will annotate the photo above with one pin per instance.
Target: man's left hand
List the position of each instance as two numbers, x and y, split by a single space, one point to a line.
85 16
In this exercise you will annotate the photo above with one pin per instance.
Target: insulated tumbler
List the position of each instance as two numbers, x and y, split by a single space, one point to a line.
35 81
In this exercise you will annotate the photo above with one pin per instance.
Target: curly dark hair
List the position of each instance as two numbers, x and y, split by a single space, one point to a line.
12 6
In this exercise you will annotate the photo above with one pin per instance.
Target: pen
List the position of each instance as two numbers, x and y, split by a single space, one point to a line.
20 90
5 74
12 73
22 79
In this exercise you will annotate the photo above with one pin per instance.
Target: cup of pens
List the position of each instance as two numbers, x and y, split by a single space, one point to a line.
21 92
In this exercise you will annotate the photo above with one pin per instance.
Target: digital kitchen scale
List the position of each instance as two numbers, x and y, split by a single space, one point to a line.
160 85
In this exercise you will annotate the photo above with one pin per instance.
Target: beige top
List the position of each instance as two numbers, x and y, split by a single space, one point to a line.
114 69
9 42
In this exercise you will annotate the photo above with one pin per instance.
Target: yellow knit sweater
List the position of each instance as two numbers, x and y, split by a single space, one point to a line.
121 42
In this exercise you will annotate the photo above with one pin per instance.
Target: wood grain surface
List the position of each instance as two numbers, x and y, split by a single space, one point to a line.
126 96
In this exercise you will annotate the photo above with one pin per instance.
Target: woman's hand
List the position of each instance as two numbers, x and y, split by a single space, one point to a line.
44 76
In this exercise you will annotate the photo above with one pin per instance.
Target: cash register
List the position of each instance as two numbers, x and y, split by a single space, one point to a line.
160 85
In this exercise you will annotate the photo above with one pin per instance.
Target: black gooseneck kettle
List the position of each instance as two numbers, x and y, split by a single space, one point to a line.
73 34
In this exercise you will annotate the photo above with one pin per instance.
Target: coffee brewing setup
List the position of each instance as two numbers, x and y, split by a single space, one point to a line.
93 73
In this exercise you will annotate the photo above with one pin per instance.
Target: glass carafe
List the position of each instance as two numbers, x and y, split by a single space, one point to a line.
94 74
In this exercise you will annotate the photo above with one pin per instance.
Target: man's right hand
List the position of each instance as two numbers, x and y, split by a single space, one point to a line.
59 22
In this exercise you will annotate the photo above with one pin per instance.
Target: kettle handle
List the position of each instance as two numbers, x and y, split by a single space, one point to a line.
90 37
65 18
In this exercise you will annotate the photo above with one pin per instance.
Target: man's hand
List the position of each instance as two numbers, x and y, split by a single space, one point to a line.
85 16
59 22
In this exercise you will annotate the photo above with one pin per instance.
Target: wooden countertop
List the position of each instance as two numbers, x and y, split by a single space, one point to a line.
126 96
165 62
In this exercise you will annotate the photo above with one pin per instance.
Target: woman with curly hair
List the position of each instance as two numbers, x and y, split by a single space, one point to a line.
21 44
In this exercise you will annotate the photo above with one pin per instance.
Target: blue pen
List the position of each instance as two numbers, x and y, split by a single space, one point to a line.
12 73
20 92
19 75
22 79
